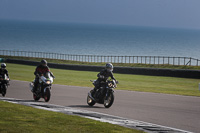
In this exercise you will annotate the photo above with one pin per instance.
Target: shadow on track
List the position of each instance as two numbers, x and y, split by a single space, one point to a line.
84 106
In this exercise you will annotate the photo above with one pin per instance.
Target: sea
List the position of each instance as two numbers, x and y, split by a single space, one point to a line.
96 39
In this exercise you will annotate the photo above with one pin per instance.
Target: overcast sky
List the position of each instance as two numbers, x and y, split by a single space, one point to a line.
159 13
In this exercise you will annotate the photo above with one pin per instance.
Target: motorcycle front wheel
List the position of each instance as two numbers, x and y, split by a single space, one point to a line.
90 102
47 95
109 100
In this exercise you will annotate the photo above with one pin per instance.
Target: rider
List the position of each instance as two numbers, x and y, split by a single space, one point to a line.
3 70
103 76
39 71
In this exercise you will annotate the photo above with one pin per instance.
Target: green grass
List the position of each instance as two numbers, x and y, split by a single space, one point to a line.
18 118
157 84
102 64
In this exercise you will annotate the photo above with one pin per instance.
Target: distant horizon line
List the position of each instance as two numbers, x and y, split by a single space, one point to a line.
100 24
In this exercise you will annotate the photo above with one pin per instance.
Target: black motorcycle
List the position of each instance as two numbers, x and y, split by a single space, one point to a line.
103 95
4 82
44 87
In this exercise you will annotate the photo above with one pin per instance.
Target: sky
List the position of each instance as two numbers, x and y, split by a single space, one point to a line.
153 13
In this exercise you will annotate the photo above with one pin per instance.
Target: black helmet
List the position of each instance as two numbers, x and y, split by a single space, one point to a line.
44 62
3 65
109 67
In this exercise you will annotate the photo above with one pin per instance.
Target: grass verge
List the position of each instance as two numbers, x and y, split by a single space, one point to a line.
19 118
102 64
156 84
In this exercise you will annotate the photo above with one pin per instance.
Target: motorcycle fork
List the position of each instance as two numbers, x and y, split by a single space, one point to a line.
108 92
44 90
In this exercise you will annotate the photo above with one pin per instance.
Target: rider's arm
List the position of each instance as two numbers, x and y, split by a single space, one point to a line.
37 71
112 77
52 75
101 74
6 72
47 69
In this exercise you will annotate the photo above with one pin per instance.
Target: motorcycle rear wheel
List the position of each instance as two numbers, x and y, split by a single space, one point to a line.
109 101
35 97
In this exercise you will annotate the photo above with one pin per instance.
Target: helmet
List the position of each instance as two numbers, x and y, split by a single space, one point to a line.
3 65
44 62
109 67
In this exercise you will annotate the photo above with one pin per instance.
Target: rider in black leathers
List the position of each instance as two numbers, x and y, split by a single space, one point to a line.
103 76
3 70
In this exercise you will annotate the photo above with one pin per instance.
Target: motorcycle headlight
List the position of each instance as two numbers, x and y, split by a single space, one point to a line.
48 82
110 85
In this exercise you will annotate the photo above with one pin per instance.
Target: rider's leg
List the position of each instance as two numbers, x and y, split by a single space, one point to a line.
97 86
103 88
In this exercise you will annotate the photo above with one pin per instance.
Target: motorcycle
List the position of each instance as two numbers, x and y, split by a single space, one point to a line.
102 95
44 87
4 83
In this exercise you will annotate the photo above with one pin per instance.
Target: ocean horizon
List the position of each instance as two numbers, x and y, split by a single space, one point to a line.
95 39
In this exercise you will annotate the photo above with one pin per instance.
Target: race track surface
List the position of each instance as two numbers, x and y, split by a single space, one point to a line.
182 112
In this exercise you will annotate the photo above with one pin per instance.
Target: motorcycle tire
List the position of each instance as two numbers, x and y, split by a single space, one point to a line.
35 97
109 101
4 90
90 102
47 95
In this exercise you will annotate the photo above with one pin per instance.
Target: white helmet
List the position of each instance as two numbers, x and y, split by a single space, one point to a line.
3 65
109 67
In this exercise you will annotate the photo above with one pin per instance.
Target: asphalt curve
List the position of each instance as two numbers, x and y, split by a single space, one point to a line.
182 112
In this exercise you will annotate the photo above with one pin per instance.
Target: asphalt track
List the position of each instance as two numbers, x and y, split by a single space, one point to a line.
182 112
